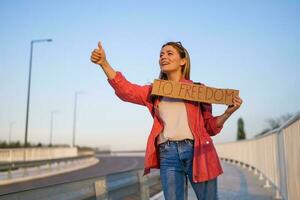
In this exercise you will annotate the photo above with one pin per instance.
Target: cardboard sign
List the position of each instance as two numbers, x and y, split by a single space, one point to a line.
193 92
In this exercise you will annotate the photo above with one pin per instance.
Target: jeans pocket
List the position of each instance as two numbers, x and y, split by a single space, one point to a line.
163 146
190 143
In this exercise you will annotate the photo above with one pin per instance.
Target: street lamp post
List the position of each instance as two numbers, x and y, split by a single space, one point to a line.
29 83
75 115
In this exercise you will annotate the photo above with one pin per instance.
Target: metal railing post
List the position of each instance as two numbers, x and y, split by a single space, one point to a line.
144 186
101 189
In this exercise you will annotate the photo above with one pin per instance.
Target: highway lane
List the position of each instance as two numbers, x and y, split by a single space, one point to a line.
107 165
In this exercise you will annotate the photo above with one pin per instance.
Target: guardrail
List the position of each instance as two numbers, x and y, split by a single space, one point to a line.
275 156
123 185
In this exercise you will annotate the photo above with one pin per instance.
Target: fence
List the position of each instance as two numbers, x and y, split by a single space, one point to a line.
275 156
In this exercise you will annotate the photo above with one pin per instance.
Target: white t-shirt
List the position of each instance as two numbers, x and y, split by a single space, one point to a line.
174 116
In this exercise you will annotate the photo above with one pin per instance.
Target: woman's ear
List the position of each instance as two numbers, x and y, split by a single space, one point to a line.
182 61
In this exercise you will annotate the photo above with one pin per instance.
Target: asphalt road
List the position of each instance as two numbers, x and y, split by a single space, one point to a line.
107 165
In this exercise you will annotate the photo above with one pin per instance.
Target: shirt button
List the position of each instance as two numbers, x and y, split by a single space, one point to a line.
207 142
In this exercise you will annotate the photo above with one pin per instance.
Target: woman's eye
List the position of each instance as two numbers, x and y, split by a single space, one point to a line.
170 54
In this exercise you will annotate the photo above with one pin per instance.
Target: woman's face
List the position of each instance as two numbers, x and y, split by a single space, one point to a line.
170 60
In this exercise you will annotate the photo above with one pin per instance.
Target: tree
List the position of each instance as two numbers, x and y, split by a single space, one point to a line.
274 123
241 135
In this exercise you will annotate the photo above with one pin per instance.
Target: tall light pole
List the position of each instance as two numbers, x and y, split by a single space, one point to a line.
29 83
51 126
75 115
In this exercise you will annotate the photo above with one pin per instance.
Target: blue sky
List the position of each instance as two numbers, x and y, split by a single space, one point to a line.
252 46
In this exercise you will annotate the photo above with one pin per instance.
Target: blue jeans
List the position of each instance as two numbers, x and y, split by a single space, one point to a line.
176 161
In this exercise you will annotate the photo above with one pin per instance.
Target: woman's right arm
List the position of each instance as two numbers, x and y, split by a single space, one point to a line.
124 89
99 57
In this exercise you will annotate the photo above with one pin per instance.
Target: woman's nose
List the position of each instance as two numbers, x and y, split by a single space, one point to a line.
163 58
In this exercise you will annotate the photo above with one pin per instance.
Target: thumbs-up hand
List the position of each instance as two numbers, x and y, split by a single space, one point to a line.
98 55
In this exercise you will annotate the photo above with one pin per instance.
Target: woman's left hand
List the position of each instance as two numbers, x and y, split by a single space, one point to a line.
237 102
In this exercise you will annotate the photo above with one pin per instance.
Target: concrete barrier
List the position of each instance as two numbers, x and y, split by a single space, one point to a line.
29 154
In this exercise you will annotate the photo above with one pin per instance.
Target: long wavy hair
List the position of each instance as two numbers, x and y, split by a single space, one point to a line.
183 53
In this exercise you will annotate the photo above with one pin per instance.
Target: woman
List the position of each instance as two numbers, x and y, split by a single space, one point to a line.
179 143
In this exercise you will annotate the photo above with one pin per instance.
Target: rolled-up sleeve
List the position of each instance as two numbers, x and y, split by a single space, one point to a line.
209 120
128 91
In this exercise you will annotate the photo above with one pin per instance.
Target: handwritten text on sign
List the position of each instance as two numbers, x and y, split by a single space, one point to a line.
193 92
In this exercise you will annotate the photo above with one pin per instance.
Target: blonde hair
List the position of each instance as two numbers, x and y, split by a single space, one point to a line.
183 53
